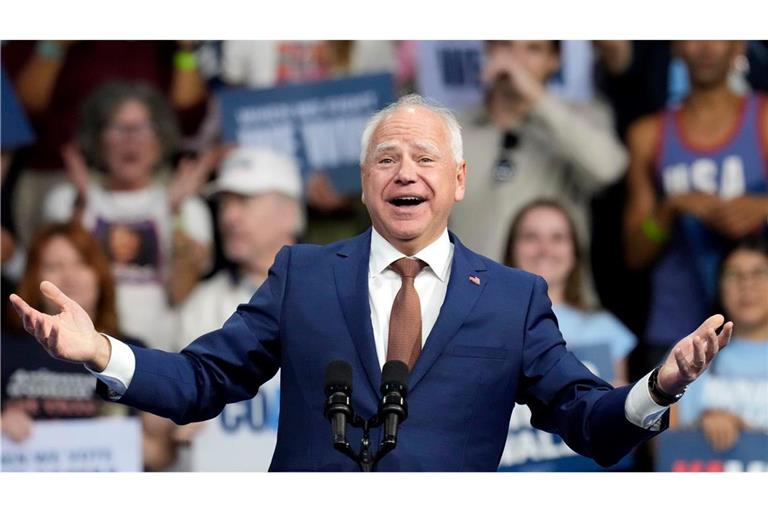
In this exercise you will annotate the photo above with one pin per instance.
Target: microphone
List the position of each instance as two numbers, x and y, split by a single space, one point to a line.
393 408
338 391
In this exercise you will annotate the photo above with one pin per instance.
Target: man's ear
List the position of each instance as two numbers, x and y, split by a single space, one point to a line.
362 192
461 181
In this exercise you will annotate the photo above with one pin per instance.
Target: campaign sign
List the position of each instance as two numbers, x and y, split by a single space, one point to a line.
530 449
94 444
320 123
243 436
449 72
689 451
16 130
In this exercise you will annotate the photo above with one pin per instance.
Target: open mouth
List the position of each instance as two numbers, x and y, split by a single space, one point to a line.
130 158
407 201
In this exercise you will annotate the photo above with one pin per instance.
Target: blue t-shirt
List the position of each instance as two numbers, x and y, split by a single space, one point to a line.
737 382
582 328
599 340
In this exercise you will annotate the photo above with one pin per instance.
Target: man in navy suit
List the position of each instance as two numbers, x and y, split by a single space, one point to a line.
484 335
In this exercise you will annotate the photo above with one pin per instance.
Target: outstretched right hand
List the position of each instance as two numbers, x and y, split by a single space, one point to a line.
70 335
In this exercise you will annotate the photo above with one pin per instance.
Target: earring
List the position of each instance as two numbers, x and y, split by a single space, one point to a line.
741 65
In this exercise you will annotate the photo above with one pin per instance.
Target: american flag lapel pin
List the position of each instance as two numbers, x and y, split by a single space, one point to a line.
474 280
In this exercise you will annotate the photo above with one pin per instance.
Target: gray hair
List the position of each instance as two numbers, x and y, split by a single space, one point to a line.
102 104
414 100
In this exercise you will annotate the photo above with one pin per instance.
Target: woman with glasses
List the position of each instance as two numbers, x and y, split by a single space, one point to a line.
733 395
156 233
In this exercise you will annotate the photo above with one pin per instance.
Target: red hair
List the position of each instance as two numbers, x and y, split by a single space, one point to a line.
105 317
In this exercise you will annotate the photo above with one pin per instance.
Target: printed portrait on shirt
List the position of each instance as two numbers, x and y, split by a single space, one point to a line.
132 248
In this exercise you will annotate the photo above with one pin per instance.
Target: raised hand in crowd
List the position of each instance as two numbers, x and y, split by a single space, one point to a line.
36 81
190 175
188 88
77 169
505 67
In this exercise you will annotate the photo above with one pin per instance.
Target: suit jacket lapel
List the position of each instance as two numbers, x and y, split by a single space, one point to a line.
351 275
460 298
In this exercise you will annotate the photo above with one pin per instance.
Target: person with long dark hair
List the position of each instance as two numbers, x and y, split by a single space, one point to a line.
542 240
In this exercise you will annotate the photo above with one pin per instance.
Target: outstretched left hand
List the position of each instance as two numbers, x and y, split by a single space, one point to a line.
693 354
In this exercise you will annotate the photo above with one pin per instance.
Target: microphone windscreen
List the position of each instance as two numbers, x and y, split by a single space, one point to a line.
395 372
338 373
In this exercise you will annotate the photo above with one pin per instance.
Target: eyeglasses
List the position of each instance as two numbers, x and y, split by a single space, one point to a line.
505 164
117 130
758 275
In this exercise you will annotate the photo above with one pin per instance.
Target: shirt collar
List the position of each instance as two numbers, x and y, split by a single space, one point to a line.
437 255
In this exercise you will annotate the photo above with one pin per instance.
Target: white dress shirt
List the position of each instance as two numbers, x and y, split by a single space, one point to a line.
383 284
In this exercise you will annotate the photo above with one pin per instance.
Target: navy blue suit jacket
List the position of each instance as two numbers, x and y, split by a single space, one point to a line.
494 344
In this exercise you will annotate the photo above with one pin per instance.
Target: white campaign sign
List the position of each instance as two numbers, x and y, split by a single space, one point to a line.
243 436
98 444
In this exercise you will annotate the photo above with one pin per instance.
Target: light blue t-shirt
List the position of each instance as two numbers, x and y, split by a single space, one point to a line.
581 328
736 382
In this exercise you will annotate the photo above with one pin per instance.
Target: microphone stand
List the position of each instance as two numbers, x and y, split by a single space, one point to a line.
393 410
363 457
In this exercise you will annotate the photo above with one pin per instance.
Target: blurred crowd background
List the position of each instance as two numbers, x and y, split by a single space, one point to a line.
631 175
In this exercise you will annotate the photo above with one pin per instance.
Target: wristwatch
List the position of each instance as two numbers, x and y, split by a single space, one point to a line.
659 396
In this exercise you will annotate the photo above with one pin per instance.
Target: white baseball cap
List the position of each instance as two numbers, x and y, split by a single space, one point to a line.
251 171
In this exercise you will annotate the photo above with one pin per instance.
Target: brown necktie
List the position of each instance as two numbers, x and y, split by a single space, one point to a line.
404 342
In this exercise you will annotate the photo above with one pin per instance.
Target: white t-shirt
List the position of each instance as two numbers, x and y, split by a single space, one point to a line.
209 305
135 229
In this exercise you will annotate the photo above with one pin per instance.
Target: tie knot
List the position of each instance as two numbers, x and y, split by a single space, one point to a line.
408 267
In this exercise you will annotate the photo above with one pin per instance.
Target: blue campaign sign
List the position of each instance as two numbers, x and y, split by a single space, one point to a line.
689 451
16 131
449 72
320 123
529 449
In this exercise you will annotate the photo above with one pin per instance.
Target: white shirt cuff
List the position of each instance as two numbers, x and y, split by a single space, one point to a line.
119 371
640 409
